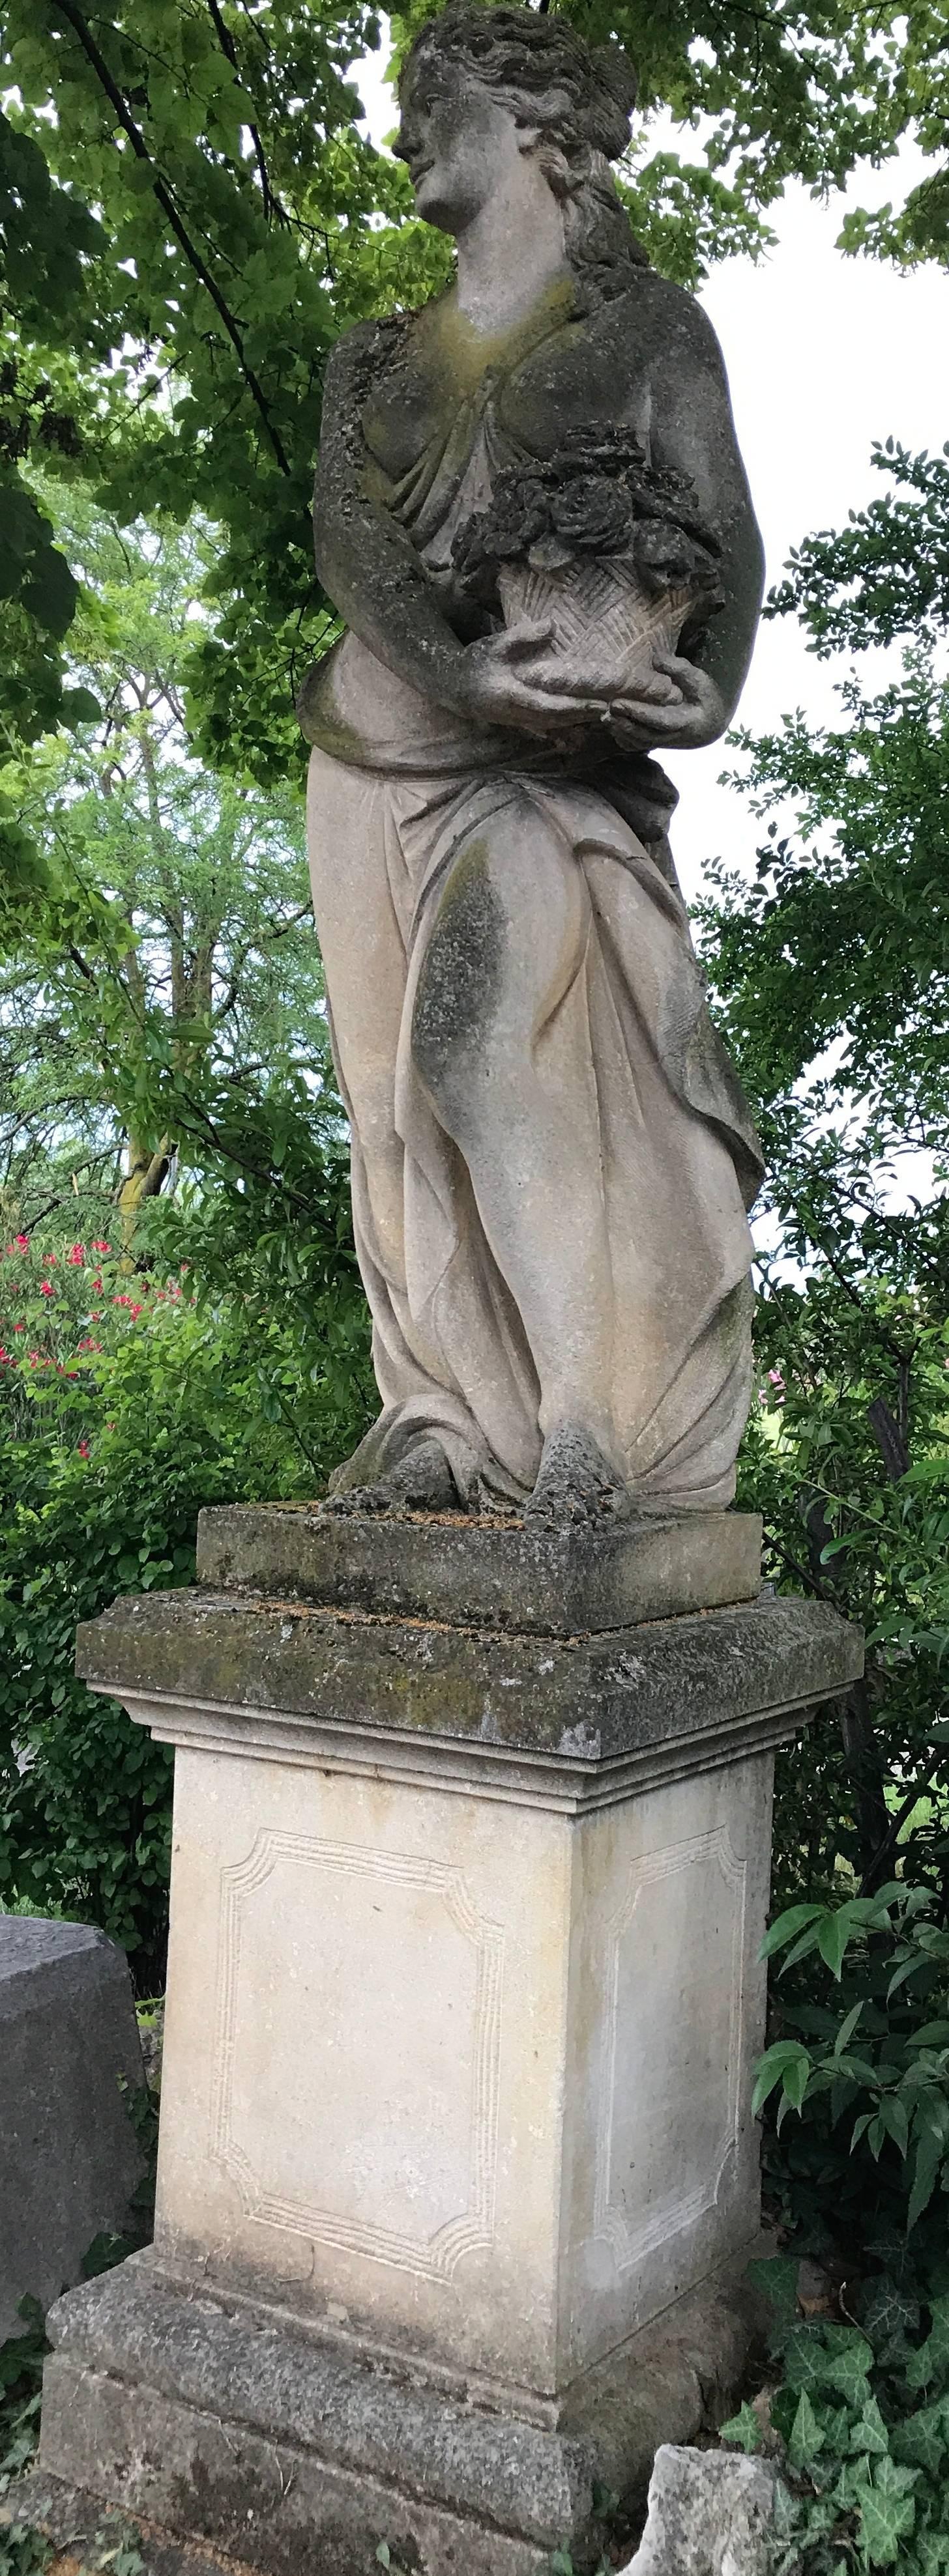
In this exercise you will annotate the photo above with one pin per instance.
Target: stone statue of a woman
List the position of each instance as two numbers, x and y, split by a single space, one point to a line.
532 515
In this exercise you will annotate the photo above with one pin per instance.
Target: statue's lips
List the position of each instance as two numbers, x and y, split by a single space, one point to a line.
419 170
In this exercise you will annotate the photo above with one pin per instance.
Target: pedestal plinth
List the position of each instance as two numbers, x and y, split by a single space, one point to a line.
463 2002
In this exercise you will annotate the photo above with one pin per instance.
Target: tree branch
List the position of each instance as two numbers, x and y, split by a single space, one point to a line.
272 203
166 200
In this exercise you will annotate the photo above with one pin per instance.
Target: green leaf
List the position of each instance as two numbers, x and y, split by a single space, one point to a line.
743 2431
787 1926
807 2434
931 2362
835 1933
887 2511
787 2064
927 2165
869 2433
848 2026
775 2278
921 2439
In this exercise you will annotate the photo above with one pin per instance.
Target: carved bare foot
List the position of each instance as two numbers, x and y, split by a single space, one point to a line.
422 1482
575 1483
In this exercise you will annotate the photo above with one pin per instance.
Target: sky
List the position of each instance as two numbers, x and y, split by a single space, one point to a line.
824 355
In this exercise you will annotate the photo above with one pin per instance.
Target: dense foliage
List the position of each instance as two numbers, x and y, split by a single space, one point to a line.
830 971
861 2420
189 212
831 975
127 1400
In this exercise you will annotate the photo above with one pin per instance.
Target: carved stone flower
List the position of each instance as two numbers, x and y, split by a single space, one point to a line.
592 513
664 556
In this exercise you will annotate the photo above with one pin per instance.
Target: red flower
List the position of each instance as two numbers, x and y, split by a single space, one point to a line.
102 1247
46 1288
19 1328
6 1356
134 1311
49 1260
76 1256
22 1242
97 1282
83 1449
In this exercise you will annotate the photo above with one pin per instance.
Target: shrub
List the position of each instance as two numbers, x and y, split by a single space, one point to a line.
126 1402
861 2420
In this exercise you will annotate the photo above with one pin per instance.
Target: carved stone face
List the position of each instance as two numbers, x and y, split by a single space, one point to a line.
459 141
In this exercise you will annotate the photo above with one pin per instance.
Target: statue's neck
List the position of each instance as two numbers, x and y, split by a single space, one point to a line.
511 255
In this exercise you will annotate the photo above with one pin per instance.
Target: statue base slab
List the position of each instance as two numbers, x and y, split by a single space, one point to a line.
229 2421
486 1572
464 1998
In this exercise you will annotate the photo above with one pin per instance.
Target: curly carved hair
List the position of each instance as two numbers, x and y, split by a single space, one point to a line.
579 96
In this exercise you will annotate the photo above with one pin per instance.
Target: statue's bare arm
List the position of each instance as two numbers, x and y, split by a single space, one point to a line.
693 431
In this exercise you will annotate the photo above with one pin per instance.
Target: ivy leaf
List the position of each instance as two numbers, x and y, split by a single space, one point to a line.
807 2434
775 2276
887 2511
870 2434
932 2552
889 2314
743 2431
921 2438
931 2362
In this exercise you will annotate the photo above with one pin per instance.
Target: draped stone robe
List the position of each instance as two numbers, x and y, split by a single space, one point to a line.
399 789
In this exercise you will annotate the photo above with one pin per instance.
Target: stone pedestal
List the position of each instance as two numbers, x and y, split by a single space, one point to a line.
464 1998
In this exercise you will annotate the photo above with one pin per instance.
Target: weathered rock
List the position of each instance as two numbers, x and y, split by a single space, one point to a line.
709 2515
69 2157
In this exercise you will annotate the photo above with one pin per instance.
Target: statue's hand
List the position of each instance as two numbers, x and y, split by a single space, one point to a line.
694 713
509 681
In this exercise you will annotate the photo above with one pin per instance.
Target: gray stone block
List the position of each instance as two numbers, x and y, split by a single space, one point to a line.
69 2157
228 2423
709 2515
635 1694
484 1573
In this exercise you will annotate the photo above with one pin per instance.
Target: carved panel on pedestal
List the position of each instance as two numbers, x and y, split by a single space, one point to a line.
357 2051
670 2096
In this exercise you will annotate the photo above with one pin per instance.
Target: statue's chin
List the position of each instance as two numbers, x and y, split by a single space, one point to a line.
435 207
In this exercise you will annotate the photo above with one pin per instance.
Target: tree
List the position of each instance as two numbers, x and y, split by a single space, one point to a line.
831 975
188 215
191 957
